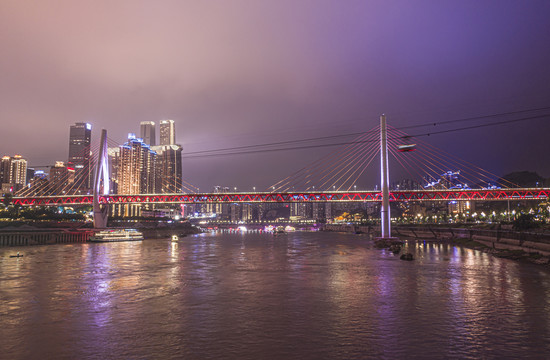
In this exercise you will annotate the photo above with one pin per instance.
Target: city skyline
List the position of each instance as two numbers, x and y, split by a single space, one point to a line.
317 70
288 179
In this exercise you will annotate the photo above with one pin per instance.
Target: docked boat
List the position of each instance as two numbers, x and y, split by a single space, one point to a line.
113 235
279 230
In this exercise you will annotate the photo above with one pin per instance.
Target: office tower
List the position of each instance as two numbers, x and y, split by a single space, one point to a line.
80 155
169 169
13 171
147 132
30 175
59 178
135 167
167 132
5 167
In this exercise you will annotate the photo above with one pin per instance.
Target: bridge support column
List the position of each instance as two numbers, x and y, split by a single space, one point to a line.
101 211
385 217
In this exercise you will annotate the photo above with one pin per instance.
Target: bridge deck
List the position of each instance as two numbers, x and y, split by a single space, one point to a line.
335 196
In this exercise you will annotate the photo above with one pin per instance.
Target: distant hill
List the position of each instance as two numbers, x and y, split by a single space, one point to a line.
523 179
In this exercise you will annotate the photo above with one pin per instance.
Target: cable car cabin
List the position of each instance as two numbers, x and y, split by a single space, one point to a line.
406 148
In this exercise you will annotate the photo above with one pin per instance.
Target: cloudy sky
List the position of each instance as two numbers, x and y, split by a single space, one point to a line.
234 73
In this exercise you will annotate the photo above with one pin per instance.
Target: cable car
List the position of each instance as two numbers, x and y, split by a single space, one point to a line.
406 148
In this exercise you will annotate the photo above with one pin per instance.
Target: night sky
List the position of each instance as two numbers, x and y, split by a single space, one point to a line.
233 73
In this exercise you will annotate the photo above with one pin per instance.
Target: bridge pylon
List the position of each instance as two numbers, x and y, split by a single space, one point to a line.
385 217
101 184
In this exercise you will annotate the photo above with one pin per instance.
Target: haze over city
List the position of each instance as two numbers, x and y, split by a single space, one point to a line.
243 73
275 179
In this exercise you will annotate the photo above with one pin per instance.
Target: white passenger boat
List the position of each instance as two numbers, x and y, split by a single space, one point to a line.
113 235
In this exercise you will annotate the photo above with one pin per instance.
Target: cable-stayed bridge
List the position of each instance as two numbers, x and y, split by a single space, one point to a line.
438 176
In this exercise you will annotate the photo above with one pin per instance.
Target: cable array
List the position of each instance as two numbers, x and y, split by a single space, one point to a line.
71 181
339 170
529 115
435 168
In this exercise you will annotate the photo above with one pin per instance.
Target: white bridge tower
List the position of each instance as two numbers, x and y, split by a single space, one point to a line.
101 184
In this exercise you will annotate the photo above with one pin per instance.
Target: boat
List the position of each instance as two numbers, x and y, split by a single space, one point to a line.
114 235
16 256
175 238
279 230
395 248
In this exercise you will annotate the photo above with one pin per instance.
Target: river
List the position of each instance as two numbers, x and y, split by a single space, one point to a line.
302 295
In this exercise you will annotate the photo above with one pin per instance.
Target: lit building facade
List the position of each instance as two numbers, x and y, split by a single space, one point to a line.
80 155
167 132
147 132
135 170
13 172
5 170
169 169
60 178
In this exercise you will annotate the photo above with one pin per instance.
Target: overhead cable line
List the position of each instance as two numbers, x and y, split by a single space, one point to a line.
207 153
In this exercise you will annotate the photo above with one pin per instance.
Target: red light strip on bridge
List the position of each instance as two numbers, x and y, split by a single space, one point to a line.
366 196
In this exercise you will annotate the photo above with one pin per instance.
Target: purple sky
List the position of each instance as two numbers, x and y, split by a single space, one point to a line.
234 73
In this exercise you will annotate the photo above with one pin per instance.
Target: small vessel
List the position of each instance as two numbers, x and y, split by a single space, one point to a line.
16 256
395 248
175 238
279 230
113 235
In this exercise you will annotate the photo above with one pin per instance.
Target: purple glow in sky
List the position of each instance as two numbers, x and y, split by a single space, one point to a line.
233 73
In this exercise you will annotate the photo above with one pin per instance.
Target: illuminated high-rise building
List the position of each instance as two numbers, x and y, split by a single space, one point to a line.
5 170
60 178
19 171
135 167
147 132
80 154
13 171
167 132
169 169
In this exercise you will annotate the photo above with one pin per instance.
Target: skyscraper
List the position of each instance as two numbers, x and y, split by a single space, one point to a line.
5 167
167 132
80 154
59 178
13 171
169 169
136 167
147 132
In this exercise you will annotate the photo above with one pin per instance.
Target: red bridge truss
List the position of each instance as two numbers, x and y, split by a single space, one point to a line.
335 196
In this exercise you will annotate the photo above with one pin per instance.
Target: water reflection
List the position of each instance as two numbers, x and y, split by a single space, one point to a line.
249 296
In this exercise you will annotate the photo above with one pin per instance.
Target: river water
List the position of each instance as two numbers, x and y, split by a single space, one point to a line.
303 295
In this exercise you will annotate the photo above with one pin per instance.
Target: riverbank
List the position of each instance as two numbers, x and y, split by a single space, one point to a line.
505 243
512 254
47 233
515 245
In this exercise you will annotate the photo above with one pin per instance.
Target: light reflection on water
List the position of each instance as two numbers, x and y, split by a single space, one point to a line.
250 296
